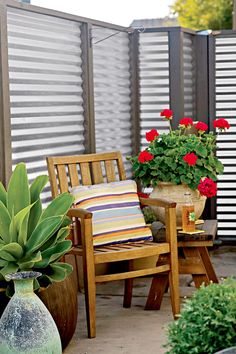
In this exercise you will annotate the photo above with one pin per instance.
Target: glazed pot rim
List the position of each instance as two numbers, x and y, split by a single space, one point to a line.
22 275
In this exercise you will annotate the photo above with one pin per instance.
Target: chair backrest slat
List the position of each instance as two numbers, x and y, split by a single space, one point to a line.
62 178
110 171
87 169
85 174
73 175
97 172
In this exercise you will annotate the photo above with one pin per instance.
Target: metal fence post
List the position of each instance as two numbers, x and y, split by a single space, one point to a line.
88 87
212 103
202 88
5 123
176 74
135 93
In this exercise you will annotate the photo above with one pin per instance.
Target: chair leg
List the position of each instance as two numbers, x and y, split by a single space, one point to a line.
174 290
90 298
128 291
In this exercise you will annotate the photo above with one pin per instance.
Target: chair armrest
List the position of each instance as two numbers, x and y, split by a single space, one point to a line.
161 202
79 213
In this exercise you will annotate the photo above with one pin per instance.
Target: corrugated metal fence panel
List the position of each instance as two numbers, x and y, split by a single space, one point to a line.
45 88
225 80
154 81
112 93
189 75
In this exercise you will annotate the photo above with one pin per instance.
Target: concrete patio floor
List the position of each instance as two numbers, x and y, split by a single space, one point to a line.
132 331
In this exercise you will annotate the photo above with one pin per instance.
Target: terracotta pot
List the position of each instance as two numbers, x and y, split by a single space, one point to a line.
61 301
176 193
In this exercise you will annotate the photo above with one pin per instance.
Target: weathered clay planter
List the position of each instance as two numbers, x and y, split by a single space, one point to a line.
176 193
61 301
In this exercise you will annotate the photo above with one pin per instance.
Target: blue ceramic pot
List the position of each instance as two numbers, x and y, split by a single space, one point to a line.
26 326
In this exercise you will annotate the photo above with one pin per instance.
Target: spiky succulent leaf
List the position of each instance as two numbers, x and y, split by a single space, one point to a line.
18 195
54 253
36 211
43 231
5 220
3 194
59 206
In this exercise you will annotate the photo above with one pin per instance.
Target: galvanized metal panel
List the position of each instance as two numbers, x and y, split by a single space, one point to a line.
225 79
112 91
154 81
189 68
45 88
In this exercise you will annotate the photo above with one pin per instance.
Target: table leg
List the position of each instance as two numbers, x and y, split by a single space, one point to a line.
156 292
208 264
190 252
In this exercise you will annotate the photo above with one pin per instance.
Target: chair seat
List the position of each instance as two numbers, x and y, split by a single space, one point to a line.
121 252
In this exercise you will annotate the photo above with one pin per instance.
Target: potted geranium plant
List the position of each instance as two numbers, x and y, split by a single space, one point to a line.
183 157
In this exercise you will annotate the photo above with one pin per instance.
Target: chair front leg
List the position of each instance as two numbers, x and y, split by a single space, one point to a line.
89 277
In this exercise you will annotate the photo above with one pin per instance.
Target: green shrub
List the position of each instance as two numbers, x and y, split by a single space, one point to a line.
207 322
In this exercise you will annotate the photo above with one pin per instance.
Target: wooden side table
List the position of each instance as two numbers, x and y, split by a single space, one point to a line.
194 259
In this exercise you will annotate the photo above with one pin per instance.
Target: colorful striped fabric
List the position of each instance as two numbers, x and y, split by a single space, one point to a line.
117 217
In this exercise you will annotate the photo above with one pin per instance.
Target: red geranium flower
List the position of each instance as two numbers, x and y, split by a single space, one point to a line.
167 113
221 123
207 187
145 156
201 126
151 135
190 158
186 121
143 195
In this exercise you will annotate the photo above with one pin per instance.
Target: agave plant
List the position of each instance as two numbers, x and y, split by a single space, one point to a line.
32 238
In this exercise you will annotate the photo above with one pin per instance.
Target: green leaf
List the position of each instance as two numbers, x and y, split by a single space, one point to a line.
43 231
28 262
18 195
59 271
59 206
35 190
54 253
11 252
37 186
11 267
34 216
3 194
5 220
18 226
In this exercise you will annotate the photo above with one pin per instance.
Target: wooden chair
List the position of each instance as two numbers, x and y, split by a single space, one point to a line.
69 171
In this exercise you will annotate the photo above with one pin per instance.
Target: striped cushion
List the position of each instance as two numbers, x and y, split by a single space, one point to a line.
117 217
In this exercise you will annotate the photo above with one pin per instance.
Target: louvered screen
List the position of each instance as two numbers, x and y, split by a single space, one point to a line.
112 101
154 81
45 88
189 75
225 80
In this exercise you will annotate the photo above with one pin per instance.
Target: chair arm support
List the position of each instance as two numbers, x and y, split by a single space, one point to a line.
79 213
164 203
